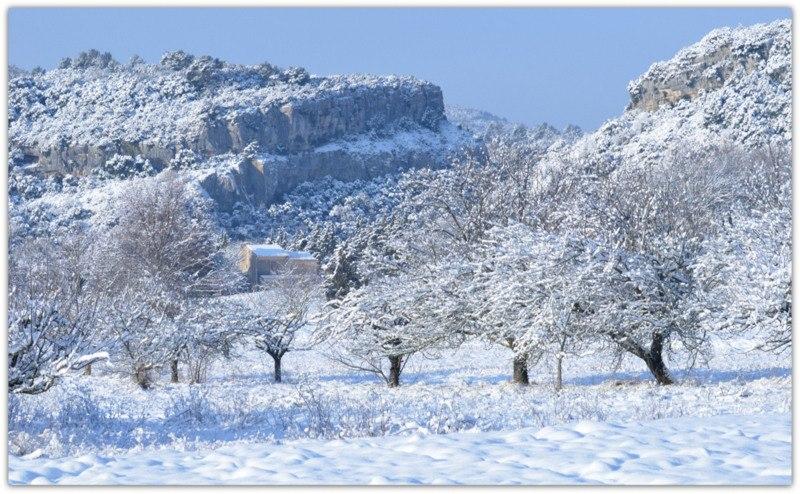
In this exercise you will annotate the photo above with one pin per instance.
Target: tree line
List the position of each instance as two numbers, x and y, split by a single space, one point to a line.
549 258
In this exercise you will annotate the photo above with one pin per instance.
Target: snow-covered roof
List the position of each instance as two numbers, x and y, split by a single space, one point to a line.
267 250
275 250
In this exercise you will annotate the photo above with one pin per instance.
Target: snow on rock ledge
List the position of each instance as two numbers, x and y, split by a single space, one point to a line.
74 118
266 177
732 87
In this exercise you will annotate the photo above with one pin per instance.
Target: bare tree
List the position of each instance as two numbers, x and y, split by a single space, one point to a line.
746 279
52 310
654 218
382 323
276 313
528 294
161 260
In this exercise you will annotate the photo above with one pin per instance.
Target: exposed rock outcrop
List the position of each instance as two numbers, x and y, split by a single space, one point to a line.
266 177
721 56
74 118
733 87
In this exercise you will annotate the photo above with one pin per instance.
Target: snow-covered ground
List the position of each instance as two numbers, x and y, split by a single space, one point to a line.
712 450
455 419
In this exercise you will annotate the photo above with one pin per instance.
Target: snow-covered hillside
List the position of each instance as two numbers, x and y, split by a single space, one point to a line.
204 104
186 111
487 126
734 86
474 120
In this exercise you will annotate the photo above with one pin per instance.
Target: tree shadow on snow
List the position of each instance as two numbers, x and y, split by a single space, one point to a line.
706 376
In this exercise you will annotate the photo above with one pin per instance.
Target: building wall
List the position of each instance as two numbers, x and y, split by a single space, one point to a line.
256 266
308 266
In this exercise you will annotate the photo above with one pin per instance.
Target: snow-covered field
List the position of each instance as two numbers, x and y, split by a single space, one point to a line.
712 450
456 419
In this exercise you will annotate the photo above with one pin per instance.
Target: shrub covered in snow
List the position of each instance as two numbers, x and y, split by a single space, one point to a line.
123 166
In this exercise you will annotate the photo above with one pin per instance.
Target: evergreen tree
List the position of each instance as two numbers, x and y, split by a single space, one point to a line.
344 276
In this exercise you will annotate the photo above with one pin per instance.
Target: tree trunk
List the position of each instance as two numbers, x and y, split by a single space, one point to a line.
521 369
559 361
87 371
394 370
175 375
655 361
143 376
277 360
652 357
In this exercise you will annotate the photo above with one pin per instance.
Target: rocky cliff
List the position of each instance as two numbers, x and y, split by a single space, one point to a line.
722 57
77 117
734 86
265 177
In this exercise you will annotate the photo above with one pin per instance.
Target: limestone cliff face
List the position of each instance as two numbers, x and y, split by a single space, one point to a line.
265 178
724 55
294 127
73 119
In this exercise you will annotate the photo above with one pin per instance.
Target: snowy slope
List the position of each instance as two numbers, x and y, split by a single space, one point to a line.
487 126
474 120
733 86
716 450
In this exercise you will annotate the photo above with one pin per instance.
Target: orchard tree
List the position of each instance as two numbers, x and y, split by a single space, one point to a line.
654 219
449 215
379 324
746 273
161 261
275 314
209 335
142 335
53 309
530 294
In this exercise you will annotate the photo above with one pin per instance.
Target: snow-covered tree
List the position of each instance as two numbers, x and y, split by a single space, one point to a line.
747 278
53 309
140 333
529 294
89 59
209 333
202 70
184 159
162 260
124 166
176 60
381 323
295 75
343 275
274 315
654 219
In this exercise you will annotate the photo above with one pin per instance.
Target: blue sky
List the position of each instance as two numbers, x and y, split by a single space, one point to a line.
529 65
